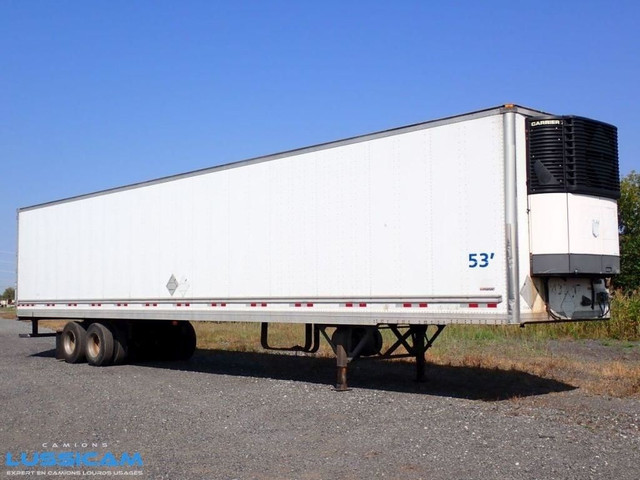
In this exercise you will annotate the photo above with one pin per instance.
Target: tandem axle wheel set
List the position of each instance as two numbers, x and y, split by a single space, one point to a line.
102 343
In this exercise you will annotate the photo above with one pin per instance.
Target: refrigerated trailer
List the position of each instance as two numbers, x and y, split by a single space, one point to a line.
501 216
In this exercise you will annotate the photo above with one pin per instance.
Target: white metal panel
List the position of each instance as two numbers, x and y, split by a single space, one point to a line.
398 215
593 225
548 223
577 224
467 209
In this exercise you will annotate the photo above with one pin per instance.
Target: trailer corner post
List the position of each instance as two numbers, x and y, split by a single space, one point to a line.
511 214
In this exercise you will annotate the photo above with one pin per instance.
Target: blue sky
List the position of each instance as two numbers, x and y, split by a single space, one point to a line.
105 93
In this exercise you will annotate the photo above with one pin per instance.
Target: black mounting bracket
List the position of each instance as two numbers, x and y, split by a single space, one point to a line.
311 339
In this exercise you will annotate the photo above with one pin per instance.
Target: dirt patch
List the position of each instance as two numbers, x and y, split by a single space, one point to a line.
598 367
596 350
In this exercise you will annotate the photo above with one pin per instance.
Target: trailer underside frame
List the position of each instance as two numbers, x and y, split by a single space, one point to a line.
351 342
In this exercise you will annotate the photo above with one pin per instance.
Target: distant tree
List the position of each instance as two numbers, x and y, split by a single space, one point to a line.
629 227
9 294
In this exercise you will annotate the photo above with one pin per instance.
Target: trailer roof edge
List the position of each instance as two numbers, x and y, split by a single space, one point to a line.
299 151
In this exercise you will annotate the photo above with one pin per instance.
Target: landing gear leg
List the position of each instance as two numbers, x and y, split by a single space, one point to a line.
417 347
341 339
418 334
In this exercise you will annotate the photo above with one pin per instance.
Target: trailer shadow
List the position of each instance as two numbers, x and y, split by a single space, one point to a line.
472 383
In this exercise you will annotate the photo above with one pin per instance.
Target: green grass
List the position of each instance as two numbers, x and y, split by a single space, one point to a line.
9 312
623 325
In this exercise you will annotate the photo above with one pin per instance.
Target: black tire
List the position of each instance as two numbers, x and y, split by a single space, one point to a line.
355 335
120 343
73 342
99 345
184 344
162 340
151 340
372 347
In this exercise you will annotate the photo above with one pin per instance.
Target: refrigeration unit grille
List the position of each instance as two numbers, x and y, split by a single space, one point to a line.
572 154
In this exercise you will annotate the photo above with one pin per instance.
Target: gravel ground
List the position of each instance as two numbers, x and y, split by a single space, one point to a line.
232 415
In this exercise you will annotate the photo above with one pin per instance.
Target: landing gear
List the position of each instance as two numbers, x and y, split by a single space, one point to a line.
349 343
341 339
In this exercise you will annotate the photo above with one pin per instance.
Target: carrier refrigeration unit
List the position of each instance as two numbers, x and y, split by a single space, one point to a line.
501 216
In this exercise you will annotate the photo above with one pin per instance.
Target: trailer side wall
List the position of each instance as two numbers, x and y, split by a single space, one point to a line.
404 215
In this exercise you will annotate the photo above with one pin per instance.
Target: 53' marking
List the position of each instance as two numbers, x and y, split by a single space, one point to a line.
480 260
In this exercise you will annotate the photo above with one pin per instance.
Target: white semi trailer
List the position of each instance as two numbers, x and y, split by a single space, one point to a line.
502 216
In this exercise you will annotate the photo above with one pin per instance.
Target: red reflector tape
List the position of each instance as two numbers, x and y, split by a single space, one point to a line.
297 305
424 305
492 305
348 304
407 305
473 305
363 305
309 304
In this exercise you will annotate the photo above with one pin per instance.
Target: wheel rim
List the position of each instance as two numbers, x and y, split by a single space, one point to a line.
69 342
93 346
